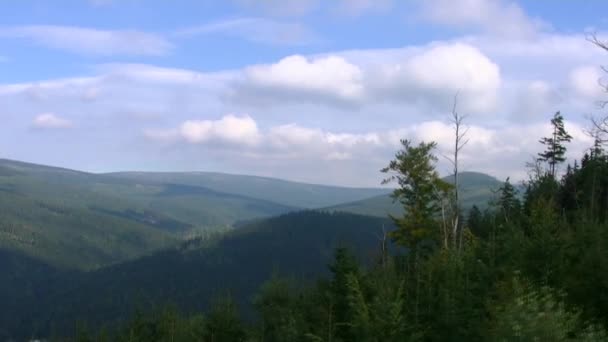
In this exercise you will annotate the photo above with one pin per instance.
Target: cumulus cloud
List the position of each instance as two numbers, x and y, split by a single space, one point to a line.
340 114
298 78
258 30
499 17
436 74
500 151
432 75
229 129
51 121
303 142
90 41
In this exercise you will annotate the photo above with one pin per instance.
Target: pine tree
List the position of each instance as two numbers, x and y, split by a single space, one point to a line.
223 322
344 267
275 304
555 150
508 203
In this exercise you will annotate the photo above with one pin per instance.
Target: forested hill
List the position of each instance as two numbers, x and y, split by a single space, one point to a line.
293 194
300 245
73 219
475 189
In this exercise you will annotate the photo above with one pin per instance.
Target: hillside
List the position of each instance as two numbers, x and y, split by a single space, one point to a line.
475 189
74 219
46 213
297 244
294 194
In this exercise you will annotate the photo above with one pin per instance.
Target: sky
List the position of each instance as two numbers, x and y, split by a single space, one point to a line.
306 90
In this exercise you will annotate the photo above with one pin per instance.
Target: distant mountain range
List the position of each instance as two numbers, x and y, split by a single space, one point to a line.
76 244
75 219
475 189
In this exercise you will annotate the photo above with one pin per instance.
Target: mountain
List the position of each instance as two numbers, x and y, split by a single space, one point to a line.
46 213
74 219
120 236
475 189
293 194
296 244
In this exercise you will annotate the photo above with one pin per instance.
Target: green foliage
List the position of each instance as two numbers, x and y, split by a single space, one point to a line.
539 314
298 244
555 150
508 203
476 189
420 191
278 311
223 322
345 270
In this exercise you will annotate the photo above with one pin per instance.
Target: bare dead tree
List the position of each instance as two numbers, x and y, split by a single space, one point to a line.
383 247
599 126
460 141
599 129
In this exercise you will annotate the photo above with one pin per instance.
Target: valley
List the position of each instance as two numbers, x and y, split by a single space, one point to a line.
76 243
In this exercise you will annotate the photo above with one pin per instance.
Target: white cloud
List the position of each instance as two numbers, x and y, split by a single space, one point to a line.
48 85
91 94
297 141
499 17
500 151
534 100
90 41
331 118
298 78
151 73
431 75
50 120
436 74
230 129
258 30
586 80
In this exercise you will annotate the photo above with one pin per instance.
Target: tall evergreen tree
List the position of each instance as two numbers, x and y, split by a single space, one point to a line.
555 151
345 267
508 203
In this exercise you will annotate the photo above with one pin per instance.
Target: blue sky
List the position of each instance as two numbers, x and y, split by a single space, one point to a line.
310 90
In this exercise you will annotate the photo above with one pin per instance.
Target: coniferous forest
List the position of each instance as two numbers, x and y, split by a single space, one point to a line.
531 266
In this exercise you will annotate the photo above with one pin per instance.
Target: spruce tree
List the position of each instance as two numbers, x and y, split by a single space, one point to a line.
555 151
